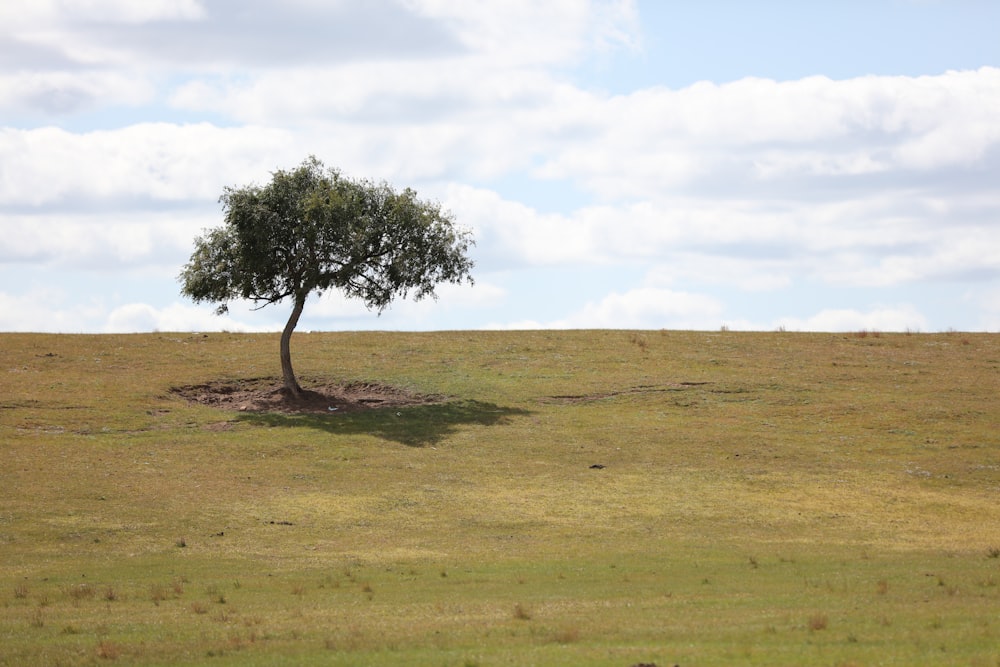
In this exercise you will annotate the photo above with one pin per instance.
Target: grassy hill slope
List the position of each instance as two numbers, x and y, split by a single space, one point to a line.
574 497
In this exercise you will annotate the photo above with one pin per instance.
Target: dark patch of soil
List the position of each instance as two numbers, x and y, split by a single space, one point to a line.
640 389
269 395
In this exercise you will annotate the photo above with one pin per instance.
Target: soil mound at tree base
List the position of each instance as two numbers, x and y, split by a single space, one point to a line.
318 397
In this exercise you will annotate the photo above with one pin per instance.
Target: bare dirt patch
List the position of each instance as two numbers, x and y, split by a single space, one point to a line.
319 397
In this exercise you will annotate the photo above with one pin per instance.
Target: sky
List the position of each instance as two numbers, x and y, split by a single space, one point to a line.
650 164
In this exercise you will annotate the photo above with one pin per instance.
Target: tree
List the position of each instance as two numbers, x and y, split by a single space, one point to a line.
312 229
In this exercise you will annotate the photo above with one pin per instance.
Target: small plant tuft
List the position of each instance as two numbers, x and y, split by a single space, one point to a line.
818 622
521 612
567 636
80 592
639 341
108 650
865 333
157 594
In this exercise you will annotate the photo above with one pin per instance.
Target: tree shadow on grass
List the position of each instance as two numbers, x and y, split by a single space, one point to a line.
413 426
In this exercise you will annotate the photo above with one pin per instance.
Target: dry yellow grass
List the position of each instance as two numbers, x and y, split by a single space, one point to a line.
751 484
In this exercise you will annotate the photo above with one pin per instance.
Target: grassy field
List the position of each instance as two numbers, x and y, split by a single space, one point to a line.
765 499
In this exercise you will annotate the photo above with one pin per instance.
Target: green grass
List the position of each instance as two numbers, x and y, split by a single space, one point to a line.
766 499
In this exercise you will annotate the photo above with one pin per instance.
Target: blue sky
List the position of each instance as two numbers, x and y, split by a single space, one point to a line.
823 166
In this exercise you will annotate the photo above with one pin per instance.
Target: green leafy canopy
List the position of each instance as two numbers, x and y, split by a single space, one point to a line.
313 229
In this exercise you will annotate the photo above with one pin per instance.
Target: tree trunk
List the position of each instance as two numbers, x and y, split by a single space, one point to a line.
291 384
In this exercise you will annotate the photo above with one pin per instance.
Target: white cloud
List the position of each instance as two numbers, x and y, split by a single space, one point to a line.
334 311
875 240
525 31
513 233
330 311
211 33
835 171
750 274
55 93
47 309
28 13
174 317
641 308
950 254
128 11
104 241
900 318
77 33
148 161
751 134
757 185
649 307
44 309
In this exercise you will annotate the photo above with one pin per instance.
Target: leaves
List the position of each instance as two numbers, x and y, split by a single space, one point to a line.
313 229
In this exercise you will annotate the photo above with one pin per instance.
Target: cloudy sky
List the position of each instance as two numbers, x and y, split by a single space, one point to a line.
824 166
